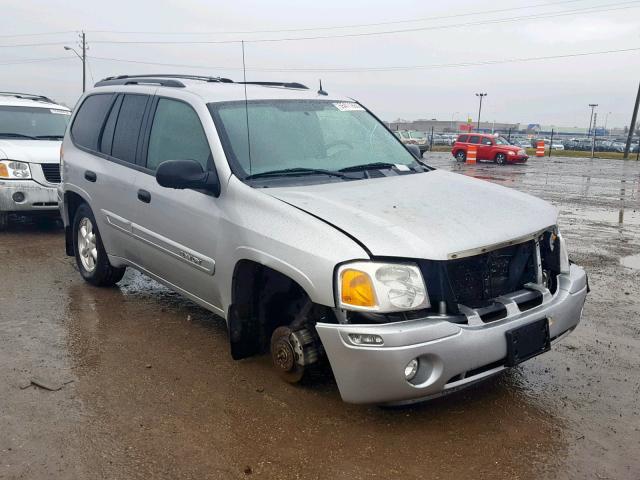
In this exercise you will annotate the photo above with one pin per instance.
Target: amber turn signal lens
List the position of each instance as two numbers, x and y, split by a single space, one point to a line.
357 289
4 171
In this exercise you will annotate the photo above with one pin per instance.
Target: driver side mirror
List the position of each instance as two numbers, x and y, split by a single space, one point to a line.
181 174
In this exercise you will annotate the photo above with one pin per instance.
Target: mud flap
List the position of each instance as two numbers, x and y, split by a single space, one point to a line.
242 344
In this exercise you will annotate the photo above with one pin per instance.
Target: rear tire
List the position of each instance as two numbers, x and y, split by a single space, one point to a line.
501 159
4 220
461 156
90 254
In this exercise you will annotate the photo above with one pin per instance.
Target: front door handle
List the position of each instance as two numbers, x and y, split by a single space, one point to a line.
91 176
144 196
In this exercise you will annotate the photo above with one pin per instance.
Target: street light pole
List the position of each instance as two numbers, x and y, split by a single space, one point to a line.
593 106
83 59
453 115
606 120
481 96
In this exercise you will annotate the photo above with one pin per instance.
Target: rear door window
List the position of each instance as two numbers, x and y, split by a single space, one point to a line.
474 139
177 134
128 125
88 122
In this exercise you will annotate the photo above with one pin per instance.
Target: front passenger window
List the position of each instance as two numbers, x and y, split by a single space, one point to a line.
177 134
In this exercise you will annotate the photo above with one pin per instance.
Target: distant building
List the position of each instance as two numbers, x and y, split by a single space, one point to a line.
452 126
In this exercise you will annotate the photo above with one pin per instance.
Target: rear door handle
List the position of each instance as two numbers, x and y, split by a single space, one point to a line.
144 196
91 176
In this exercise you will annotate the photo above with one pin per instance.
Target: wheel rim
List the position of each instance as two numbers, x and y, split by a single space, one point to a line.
87 245
500 158
460 156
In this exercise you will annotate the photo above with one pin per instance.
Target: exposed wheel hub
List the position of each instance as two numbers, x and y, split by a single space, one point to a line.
287 354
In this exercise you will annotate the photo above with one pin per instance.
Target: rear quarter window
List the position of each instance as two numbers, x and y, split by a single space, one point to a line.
88 122
463 138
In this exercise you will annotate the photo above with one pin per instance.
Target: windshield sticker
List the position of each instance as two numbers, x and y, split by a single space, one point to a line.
60 112
348 107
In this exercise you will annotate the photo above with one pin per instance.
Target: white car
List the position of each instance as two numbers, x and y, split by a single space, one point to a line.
31 131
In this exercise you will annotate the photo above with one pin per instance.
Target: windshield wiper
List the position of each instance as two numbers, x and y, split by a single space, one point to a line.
296 171
17 135
369 166
47 137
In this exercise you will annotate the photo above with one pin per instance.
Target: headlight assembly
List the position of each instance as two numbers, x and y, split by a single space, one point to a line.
14 170
381 287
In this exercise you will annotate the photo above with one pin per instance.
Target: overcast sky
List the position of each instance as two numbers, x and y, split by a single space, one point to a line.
555 91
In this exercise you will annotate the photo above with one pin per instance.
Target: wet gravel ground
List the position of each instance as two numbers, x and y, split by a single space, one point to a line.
148 388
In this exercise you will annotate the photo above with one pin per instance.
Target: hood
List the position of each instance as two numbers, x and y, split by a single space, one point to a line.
428 215
32 151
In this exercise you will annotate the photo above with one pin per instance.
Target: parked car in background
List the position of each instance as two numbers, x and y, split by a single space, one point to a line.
315 234
421 139
489 147
31 131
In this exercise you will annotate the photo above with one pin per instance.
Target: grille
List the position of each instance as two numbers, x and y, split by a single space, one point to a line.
51 172
475 281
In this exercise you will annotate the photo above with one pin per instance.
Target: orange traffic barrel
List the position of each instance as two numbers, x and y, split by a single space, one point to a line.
471 154
540 148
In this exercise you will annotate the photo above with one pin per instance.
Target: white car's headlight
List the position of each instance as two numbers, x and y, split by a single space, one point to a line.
14 170
381 287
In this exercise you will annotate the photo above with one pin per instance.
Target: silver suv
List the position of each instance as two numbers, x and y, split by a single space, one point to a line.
305 223
31 130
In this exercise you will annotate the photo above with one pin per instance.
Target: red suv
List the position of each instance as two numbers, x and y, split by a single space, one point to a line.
489 147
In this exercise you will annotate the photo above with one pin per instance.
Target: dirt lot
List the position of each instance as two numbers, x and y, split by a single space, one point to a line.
148 388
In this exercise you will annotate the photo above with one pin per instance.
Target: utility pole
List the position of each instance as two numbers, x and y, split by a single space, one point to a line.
593 106
84 62
83 58
632 127
481 96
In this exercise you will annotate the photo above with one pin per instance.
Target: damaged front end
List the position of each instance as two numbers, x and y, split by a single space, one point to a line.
476 300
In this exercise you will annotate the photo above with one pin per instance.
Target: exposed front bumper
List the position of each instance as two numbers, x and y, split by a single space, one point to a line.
451 355
517 158
37 197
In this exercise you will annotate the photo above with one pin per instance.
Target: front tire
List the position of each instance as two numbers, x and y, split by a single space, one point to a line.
90 254
461 156
501 159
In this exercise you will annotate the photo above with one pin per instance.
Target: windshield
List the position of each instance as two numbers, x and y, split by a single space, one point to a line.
419 135
33 122
502 141
304 134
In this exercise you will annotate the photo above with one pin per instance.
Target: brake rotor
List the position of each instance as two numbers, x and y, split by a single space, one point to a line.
283 355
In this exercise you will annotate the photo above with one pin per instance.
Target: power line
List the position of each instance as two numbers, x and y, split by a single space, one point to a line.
40 34
623 6
375 69
19 45
35 60
336 27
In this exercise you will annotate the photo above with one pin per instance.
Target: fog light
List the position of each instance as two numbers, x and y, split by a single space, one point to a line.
18 197
411 369
365 339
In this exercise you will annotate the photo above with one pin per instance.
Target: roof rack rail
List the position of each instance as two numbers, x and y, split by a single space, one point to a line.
27 96
278 84
173 80
166 80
